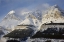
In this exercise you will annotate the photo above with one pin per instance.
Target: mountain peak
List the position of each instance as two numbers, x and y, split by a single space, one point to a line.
53 14
54 9
11 12
56 6
11 15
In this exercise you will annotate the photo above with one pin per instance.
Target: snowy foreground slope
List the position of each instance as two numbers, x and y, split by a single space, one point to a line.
35 18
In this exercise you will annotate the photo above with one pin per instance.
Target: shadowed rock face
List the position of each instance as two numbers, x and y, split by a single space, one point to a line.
19 33
52 33
48 41
1 32
12 41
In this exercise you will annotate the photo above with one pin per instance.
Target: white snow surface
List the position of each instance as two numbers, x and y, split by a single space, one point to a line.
11 12
27 21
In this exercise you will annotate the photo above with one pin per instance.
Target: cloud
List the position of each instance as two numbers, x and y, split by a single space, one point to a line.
22 11
46 5
26 10
43 6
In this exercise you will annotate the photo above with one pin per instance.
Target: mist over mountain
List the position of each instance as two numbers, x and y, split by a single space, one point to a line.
36 18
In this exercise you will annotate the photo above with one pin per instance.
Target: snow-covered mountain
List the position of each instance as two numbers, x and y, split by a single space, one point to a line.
30 20
36 18
10 20
54 14
11 15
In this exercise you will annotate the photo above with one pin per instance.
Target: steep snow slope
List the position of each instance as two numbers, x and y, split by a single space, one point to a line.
30 20
27 21
54 14
10 20
11 15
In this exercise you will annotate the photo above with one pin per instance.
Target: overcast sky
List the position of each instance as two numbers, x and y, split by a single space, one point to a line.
17 5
